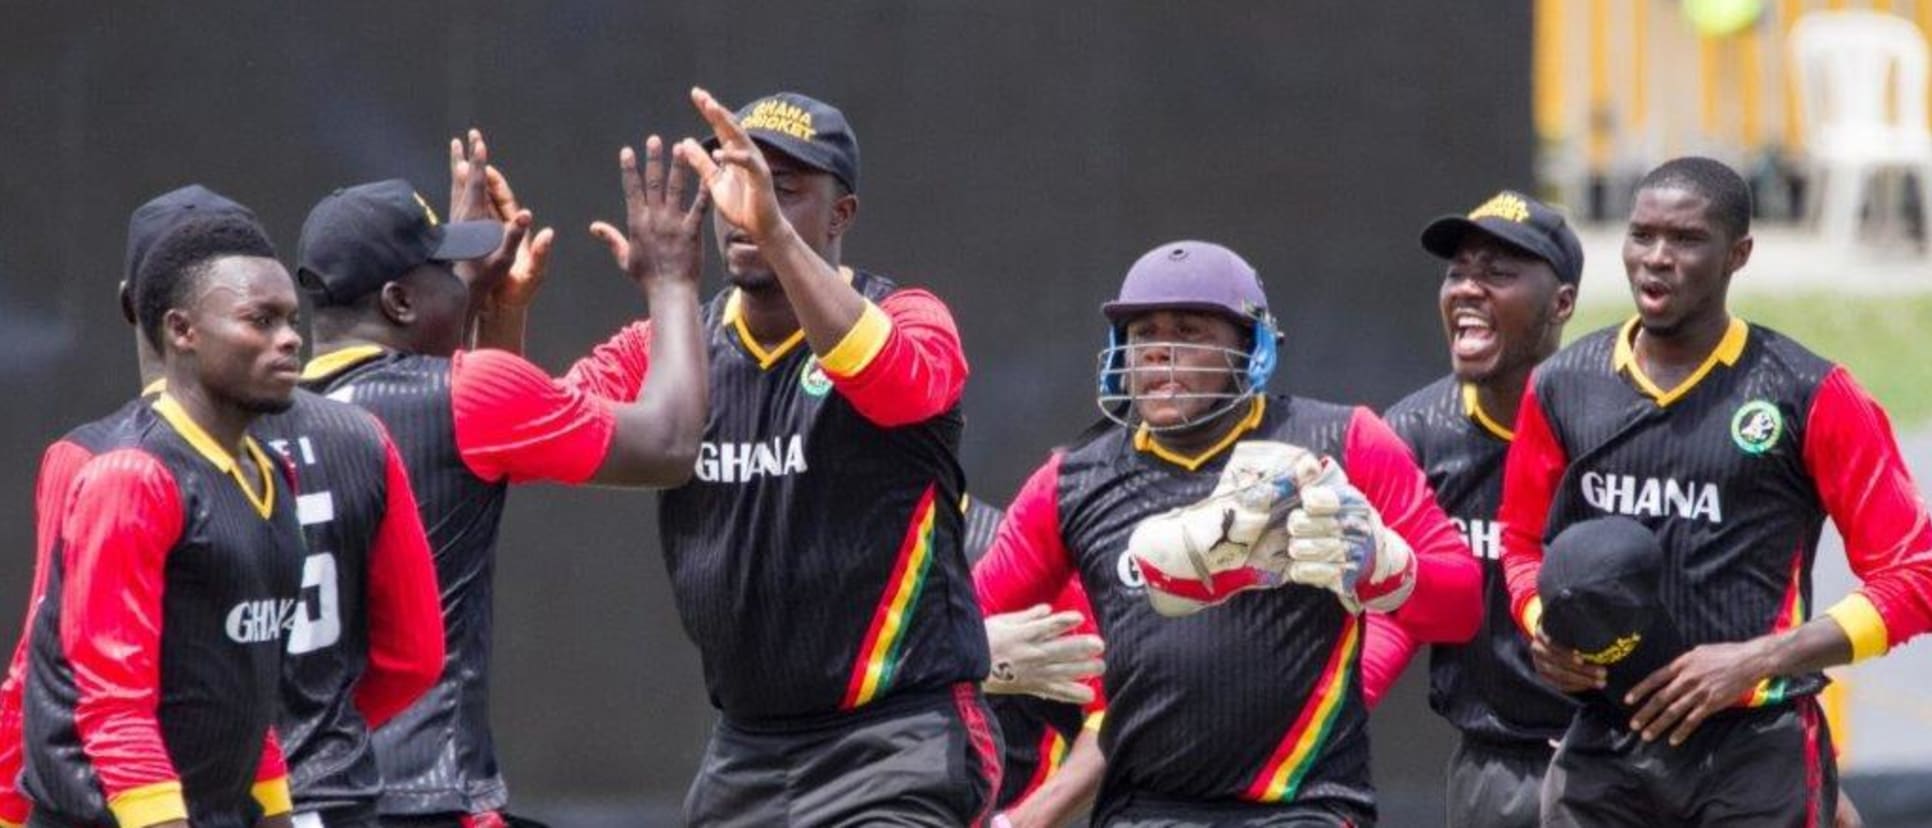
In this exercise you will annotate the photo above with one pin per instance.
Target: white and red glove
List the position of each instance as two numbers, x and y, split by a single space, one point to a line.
1338 543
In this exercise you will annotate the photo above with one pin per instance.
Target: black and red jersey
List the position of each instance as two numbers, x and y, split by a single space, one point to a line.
62 460
1486 688
367 636
1736 470
816 557
1257 699
466 427
155 673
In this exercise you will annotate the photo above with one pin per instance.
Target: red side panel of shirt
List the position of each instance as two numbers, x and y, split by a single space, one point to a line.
58 466
514 422
1446 606
124 518
404 607
1854 460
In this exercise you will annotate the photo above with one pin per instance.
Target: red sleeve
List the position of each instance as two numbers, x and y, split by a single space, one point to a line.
615 370
514 422
404 607
1027 563
58 466
901 363
1530 475
1447 605
1853 457
1385 654
126 515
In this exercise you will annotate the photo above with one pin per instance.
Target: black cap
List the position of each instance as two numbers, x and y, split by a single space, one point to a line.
805 128
359 238
1523 222
1601 597
171 209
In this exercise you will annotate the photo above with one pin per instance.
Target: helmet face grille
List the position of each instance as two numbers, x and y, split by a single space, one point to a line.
1120 404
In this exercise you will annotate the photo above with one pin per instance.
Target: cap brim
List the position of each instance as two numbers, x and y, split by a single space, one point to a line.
466 240
804 152
1444 236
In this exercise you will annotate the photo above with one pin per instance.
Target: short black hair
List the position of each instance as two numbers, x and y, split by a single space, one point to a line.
178 260
1727 191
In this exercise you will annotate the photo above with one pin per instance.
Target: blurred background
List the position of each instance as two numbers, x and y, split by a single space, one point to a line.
1017 157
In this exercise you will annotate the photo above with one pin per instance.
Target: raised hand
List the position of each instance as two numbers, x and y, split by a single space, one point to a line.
663 242
531 262
468 196
735 174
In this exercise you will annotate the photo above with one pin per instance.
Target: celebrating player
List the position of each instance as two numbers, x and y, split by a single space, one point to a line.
1733 443
147 711
391 312
816 558
1250 710
1514 265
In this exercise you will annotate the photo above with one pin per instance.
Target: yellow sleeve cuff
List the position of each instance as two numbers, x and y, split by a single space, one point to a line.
273 796
860 345
1094 720
149 805
1532 615
1862 624
6 824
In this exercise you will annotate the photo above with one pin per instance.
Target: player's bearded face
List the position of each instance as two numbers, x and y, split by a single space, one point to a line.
1679 262
1499 308
245 345
1181 365
809 200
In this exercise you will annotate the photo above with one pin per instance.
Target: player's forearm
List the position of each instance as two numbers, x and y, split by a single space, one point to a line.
1069 792
658 433
502 327
826 306
1813 646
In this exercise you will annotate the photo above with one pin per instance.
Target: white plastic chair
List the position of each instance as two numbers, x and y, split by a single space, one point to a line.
1843 59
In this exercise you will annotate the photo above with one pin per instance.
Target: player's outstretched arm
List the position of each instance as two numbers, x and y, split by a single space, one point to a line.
1066 794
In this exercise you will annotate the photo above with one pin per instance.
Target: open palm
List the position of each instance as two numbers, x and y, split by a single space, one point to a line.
735 175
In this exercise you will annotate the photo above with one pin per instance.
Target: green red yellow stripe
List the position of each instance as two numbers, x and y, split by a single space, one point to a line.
1790 615
885 637
1282 776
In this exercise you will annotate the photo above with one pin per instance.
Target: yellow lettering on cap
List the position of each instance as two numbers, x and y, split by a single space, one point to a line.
1617 651
774 115
427 210
1508 206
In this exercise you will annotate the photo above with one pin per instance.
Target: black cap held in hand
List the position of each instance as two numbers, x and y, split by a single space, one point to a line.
1600 589
1519 221
360 238
809 130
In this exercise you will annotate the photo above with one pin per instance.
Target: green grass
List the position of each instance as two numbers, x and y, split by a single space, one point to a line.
1882 339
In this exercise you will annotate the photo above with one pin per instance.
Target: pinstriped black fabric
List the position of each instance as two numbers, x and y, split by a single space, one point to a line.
1728 496
338 455
1486 688
438 757
1199 706
219 676
780 549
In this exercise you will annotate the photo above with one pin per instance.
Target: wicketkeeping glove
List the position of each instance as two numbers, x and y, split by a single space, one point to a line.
1337 542
1235 540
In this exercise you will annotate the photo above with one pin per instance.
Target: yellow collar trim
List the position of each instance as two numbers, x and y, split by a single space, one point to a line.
1473 406
766 359
264 503
1728 350
154 387
336 361
1144 440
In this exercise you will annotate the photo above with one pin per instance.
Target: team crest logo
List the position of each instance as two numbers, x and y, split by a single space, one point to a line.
1757 426
813 379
